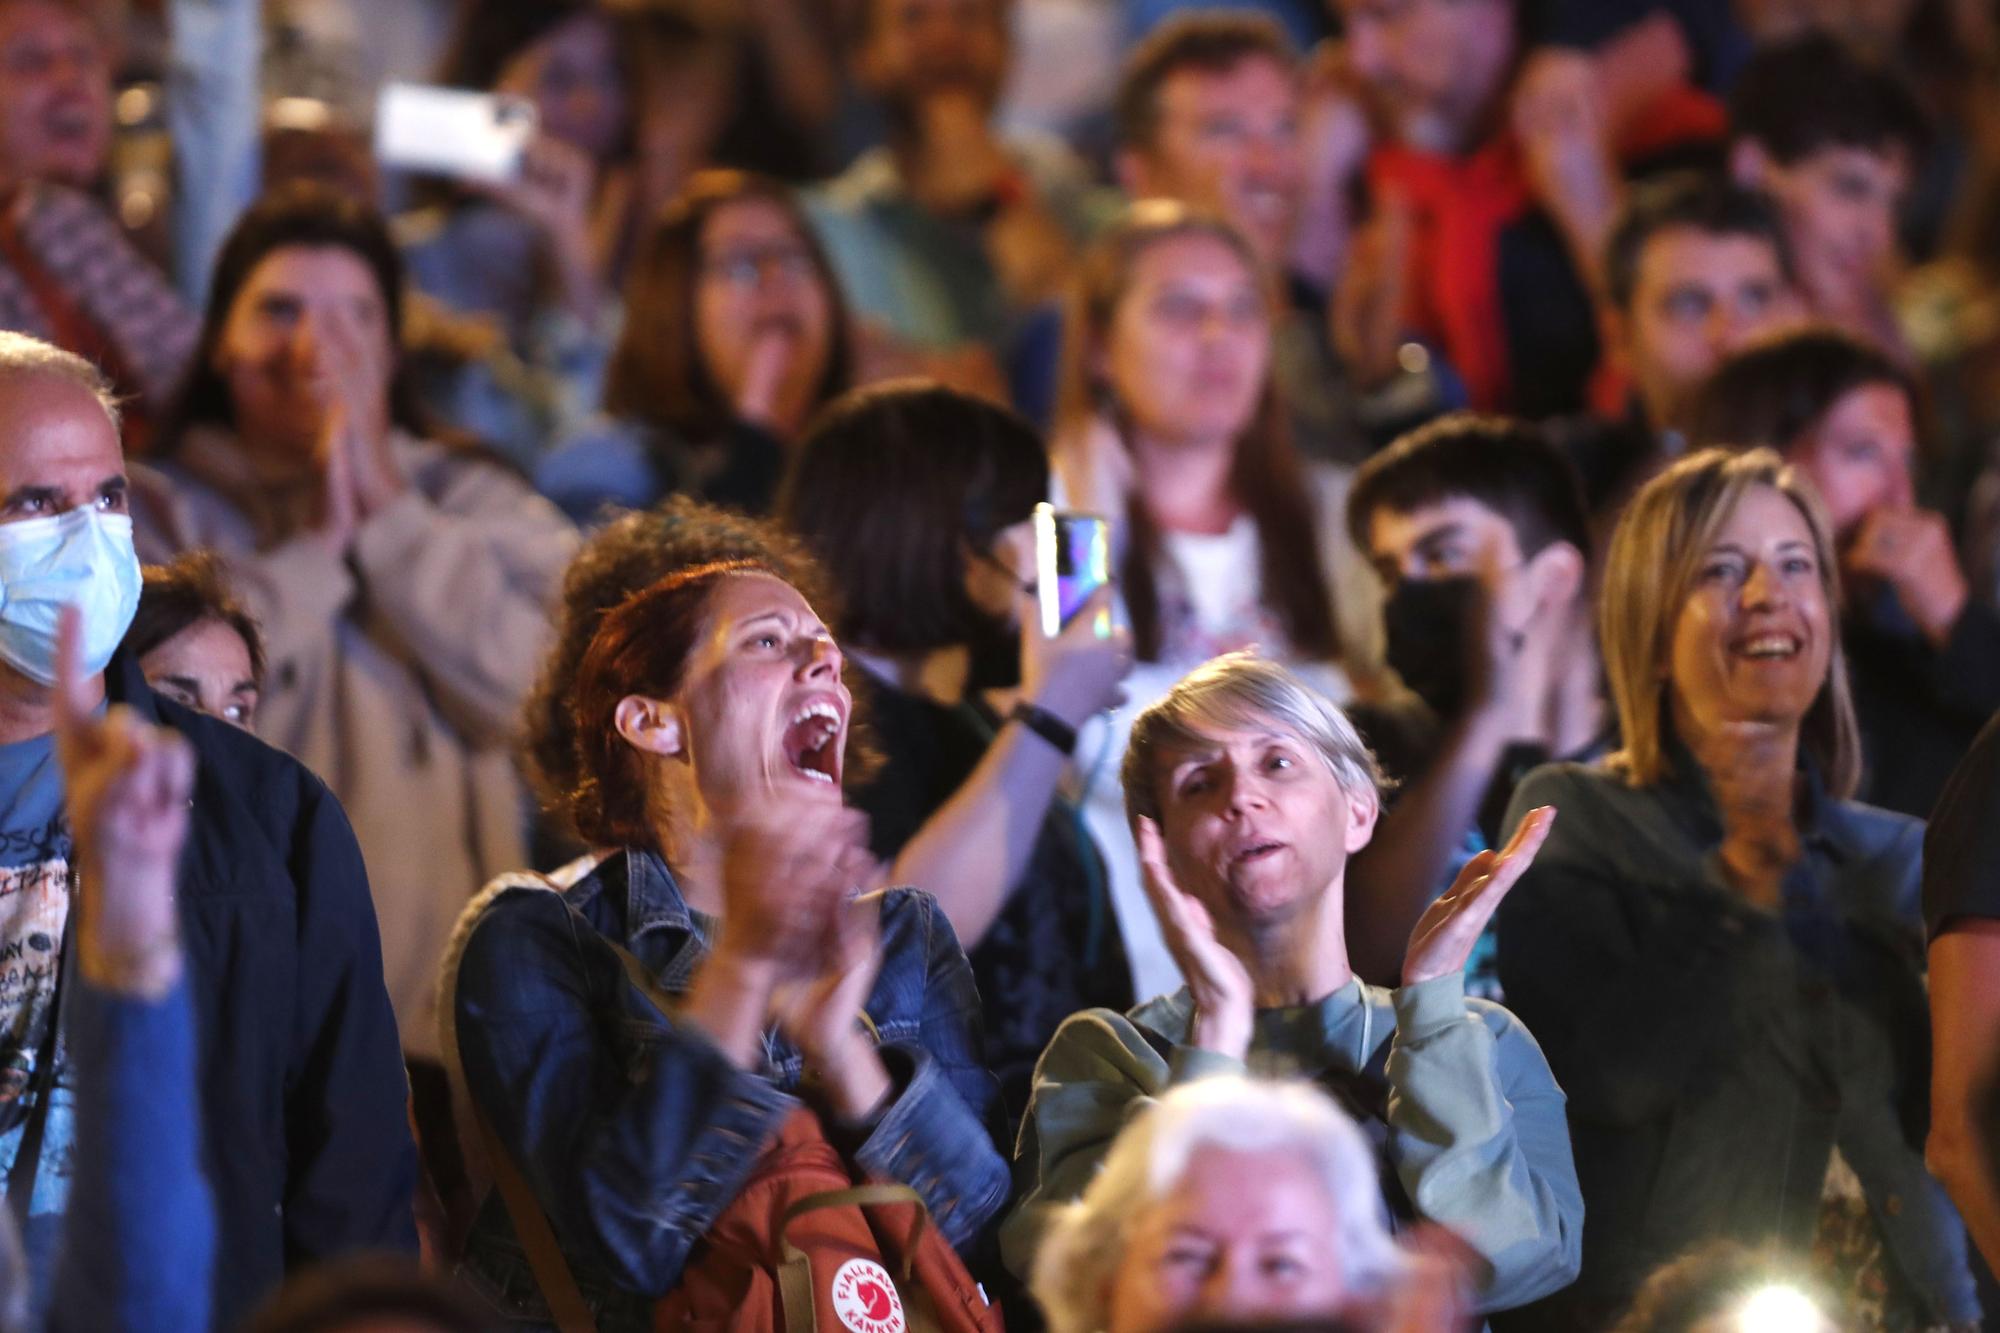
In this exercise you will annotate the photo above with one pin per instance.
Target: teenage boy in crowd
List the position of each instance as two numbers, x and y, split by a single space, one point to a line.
1835 142
306 1144
1695 267
1478 532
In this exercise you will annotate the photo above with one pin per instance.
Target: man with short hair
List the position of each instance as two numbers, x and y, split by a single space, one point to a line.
1695 267
1835 142
1478 532
950 239
306 1141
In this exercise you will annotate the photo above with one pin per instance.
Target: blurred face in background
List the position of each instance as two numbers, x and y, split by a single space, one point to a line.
917 49
1432 67
1240 1236
1189 345
1860 454
1696 297
758 294
1839 205
1227 142
55 94
574 78
275 351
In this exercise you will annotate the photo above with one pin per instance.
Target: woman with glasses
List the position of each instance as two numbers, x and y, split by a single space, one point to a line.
735 334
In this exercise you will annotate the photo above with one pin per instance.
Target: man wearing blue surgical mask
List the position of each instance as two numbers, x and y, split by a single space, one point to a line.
1476 526
302 1090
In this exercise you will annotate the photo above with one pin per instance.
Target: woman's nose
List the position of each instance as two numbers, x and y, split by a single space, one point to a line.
1762 587
822 659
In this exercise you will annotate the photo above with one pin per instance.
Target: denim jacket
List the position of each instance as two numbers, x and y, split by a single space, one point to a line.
1715 1054
636 1133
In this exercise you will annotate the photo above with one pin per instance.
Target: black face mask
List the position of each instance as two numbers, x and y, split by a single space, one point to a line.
1428 622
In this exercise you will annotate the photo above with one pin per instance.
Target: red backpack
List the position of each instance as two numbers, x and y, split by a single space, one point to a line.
801 1248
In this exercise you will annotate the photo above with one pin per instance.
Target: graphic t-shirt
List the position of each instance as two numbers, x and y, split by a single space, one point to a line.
34 912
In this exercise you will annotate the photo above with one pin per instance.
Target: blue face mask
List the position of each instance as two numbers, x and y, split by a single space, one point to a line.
83 559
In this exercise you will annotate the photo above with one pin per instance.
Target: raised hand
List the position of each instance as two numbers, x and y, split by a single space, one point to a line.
760 397
822 1015
126 789
1219 983
1911 550
782 883
1075 672
1445 933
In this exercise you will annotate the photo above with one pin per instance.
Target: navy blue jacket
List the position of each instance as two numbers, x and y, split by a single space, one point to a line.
636 1132
305 1132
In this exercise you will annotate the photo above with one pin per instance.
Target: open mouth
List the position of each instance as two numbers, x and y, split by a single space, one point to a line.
1768 647
812 742
1252 853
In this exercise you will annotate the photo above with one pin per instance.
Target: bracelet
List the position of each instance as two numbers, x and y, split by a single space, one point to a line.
1046 725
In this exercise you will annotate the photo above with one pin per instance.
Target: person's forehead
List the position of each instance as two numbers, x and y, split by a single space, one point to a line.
1680 255
1257 74
45 19
1396 530
54 431
739 596
1888 160
209 646
1194 257
1202 740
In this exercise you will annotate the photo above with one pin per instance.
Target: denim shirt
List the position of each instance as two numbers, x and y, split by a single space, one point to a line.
1715 1054
636 1132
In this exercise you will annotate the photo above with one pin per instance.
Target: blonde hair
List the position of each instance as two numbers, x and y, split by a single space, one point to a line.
1234 692
1085 1242
1655 559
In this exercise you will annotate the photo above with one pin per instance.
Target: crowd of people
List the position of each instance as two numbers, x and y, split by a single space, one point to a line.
539 786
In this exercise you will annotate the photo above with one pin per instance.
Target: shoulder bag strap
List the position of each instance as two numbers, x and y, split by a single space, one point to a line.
567 1307
28 1155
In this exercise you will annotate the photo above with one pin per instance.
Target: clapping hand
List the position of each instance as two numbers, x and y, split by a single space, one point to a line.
126 788
1443 939
1217 980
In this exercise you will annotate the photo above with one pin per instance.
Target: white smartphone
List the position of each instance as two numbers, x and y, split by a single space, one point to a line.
451 132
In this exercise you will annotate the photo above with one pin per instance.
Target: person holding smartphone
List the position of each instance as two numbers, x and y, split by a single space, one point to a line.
1223 538
918 499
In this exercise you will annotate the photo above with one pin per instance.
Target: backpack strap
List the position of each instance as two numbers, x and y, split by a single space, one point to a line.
567 1307
858 1196
795 1289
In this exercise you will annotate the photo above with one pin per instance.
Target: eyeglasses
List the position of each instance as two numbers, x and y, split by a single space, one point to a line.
747 269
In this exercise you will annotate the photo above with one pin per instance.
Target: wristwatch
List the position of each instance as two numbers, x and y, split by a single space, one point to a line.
1046 725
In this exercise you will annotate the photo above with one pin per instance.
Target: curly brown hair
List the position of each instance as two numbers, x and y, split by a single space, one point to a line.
625 557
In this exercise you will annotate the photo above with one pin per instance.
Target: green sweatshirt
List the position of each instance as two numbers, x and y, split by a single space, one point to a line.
1463 1108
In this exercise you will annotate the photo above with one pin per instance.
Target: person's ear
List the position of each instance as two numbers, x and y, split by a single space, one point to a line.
1558 572
1749 164
1364 807
650 725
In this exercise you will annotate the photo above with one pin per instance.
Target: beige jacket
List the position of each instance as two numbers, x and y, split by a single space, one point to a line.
396 673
